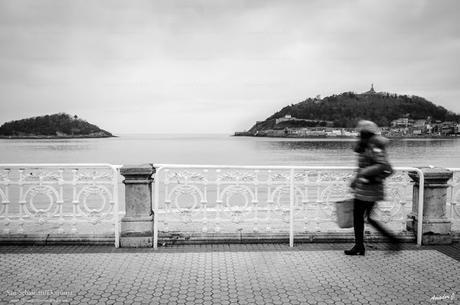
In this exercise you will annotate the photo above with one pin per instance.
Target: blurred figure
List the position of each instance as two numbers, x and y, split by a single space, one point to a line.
368 183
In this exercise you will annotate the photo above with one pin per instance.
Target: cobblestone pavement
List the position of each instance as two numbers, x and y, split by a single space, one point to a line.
228 274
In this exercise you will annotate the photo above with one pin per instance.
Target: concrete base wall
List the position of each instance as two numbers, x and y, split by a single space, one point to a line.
48 239
183 239
249 238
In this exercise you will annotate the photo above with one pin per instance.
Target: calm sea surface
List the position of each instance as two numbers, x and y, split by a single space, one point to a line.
222 149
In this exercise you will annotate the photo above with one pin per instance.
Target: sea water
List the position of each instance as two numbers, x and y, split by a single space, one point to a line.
218 149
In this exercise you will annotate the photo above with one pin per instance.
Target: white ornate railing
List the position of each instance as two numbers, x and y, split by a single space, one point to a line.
76 199
271 199
453 201
61 199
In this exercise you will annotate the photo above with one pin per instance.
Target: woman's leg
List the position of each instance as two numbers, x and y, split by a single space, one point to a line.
358 222
378 226
359 208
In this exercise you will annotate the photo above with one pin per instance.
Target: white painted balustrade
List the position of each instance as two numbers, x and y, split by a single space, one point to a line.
82 199
265 199
58 200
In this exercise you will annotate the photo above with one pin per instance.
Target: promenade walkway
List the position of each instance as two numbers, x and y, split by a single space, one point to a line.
229 274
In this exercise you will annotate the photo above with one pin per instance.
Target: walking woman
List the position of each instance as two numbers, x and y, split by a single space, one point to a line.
368 183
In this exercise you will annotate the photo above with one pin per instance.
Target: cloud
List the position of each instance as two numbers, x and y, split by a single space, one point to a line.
137 65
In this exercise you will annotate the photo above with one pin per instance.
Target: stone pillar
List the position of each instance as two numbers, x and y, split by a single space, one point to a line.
436 226
137 224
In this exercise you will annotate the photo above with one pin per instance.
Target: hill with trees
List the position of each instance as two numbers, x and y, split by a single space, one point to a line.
60 125
346 109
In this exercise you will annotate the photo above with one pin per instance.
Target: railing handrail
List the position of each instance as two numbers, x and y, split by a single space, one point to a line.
35 165
217 166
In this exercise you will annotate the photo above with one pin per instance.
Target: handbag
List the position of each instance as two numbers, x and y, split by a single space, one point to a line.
344 211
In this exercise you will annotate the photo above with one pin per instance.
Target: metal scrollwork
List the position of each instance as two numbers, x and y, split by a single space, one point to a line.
186 176
237 176
32 209
183 190
57 199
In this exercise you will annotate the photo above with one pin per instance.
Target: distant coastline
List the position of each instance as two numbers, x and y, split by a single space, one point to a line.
293 136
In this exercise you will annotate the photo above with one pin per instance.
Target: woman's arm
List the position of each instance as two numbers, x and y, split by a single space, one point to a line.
379 164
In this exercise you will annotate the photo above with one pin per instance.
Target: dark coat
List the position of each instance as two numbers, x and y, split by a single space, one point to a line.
372 163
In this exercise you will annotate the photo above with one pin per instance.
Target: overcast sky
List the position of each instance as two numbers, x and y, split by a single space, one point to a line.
217 66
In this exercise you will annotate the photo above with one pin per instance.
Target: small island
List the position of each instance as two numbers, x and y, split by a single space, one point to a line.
55 126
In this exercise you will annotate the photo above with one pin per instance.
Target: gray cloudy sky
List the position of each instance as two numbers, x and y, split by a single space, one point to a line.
217 66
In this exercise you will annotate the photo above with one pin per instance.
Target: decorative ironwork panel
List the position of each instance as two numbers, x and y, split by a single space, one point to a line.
58 199
228 199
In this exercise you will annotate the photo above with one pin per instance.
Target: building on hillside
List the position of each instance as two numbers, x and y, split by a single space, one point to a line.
289 118
316 133
371 91
420 123
448 128
350 133
334 133
380 93
402 122
417 131
286 118
420 127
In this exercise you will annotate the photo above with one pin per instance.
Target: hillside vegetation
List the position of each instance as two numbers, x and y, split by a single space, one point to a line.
55 125
346 109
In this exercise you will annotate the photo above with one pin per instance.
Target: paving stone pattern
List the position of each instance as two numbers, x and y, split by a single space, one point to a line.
225 275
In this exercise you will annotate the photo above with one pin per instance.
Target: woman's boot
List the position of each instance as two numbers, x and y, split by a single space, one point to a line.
356 250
